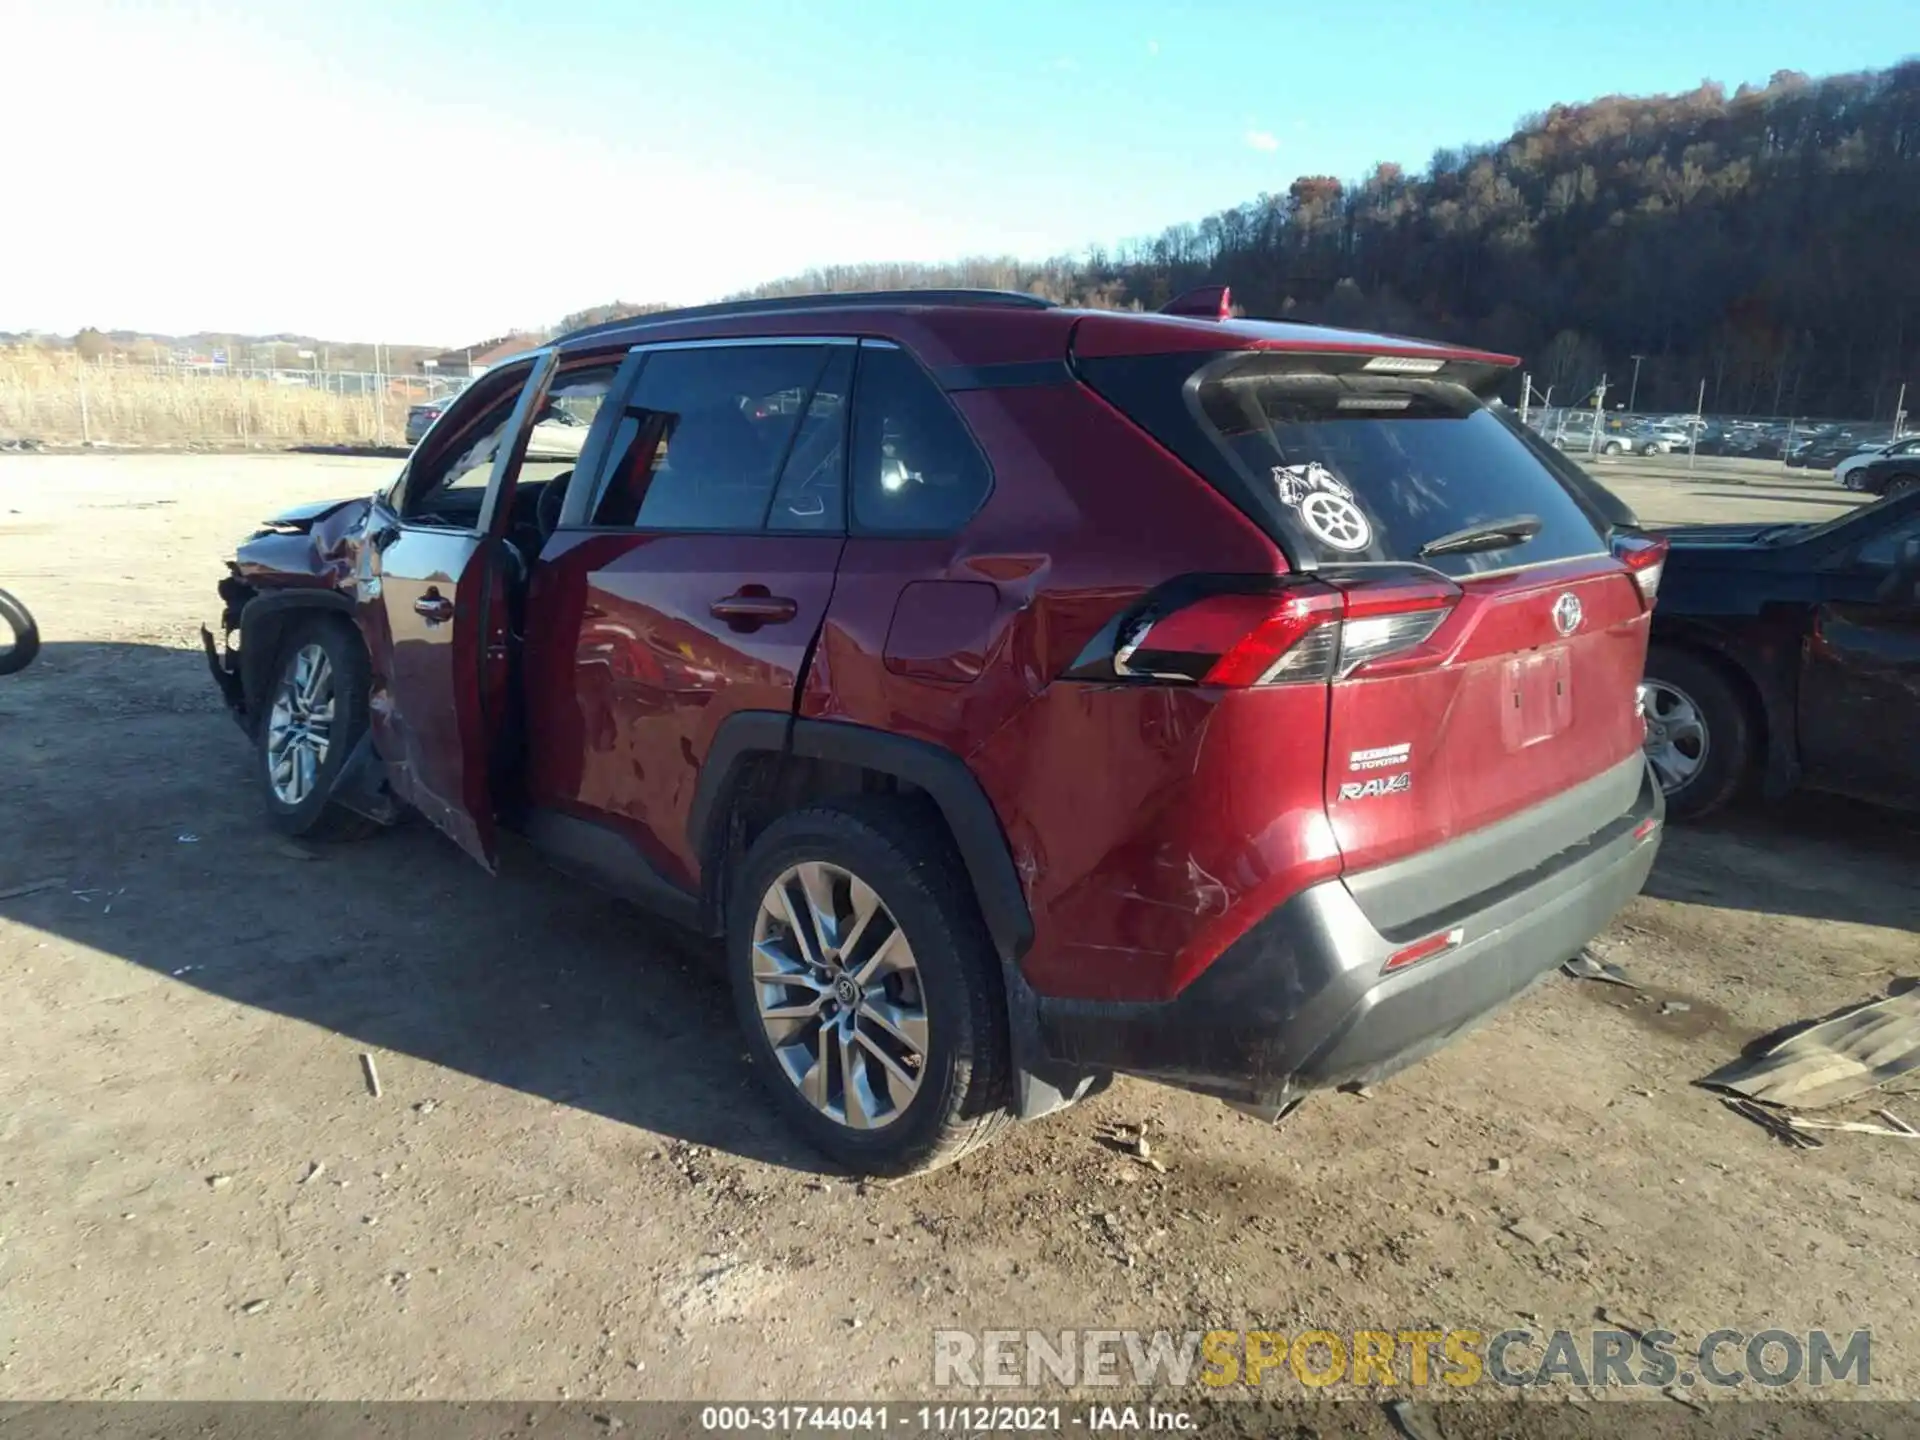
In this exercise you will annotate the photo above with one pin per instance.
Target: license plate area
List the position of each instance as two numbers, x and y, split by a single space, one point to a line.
1538 701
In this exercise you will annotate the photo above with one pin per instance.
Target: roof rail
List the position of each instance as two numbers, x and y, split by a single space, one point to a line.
826 300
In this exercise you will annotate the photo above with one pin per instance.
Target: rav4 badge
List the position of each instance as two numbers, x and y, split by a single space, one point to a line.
1371 789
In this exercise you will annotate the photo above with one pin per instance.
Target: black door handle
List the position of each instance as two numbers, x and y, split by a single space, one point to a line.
755 607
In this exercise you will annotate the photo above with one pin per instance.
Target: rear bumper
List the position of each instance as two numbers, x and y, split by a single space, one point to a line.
1300 1001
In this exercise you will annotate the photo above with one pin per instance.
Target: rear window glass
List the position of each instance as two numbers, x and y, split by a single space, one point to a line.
1348 467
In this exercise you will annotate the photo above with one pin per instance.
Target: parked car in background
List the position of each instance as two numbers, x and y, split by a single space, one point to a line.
1788 655
1849 471
1895 473
1575 434
1040 694
420 417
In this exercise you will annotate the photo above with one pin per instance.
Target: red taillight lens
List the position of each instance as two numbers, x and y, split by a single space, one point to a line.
1645 556
1300 632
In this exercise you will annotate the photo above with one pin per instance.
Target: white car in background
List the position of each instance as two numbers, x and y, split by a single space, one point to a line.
1845 472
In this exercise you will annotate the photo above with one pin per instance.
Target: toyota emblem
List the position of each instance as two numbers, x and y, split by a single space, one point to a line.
1566 613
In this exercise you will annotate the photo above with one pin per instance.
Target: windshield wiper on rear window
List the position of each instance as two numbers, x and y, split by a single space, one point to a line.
1491 535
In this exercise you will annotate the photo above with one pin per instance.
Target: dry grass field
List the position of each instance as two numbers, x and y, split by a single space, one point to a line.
56 398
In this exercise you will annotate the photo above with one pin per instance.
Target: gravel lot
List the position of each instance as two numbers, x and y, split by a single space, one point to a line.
569 1187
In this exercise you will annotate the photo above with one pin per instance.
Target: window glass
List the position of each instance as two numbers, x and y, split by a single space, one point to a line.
448 487
1354 467
812 490
554 443
1880 552
704 436
915 467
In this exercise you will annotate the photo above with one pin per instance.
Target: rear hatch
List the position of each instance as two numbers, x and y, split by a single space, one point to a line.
1489 644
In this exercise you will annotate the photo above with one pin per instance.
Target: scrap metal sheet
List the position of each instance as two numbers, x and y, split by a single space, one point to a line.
1829 1062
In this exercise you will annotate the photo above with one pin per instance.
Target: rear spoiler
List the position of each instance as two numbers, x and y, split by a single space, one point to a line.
1205 302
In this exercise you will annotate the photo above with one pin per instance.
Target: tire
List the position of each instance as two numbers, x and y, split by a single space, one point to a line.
302 805
1683 687
953 1000
1613 447
26 636
1901 485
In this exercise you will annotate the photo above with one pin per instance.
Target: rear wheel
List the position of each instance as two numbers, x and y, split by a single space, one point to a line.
316 714
1613 447
1699 731
1903 485
868 989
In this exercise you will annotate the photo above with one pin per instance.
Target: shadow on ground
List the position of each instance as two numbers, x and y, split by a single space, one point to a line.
1822 857
127 781
124 779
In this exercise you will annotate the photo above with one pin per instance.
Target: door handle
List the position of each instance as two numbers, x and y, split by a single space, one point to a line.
752 605
434 607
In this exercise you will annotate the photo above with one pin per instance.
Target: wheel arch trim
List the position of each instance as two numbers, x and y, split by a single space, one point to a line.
940 773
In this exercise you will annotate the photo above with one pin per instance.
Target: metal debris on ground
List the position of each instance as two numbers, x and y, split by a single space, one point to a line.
1852 1053
1774 1122
253 1307
1674 1007
1897 1123
1852 1127
33 887
315 1169
373 1075
1409 1421
187 837
1588 966
1498 1165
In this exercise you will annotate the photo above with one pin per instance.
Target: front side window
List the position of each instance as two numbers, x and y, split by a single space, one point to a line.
447 485
706 435
916 469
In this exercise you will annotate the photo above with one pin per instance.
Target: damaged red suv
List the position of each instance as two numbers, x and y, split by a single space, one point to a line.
1025 694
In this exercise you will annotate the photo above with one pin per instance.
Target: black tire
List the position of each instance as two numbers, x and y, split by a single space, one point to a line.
26 636
898 848
1729 723
1613 447
315 816
1901 485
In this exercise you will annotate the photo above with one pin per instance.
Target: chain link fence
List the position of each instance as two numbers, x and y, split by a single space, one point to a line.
58 399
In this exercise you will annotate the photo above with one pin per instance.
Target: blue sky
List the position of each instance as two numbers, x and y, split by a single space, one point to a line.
413 170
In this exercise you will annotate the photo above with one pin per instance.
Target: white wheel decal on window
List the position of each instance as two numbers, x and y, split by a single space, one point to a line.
1335 521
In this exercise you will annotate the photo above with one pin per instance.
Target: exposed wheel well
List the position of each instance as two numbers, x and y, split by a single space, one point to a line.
1739 679
263 624
763 786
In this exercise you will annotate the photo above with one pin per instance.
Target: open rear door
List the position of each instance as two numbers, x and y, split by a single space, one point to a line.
436 614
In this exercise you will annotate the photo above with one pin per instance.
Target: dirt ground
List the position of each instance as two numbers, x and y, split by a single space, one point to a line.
570 1188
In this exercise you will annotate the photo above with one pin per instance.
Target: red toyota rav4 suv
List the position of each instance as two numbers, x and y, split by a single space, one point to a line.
1025 694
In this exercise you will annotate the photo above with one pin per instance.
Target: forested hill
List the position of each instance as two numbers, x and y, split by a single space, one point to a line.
1767 242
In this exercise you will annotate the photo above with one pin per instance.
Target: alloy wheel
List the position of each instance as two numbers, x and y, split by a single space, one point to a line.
300 725
1677 739
839 995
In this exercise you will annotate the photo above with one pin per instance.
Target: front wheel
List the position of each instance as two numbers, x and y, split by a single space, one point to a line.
1902 485
1699 732
26 635
868 988
317 712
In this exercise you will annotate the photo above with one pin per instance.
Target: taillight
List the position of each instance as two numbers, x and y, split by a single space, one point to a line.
1288 633
1645 556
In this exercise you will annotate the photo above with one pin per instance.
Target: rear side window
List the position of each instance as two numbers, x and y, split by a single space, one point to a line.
916 469
705 436
1349 467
